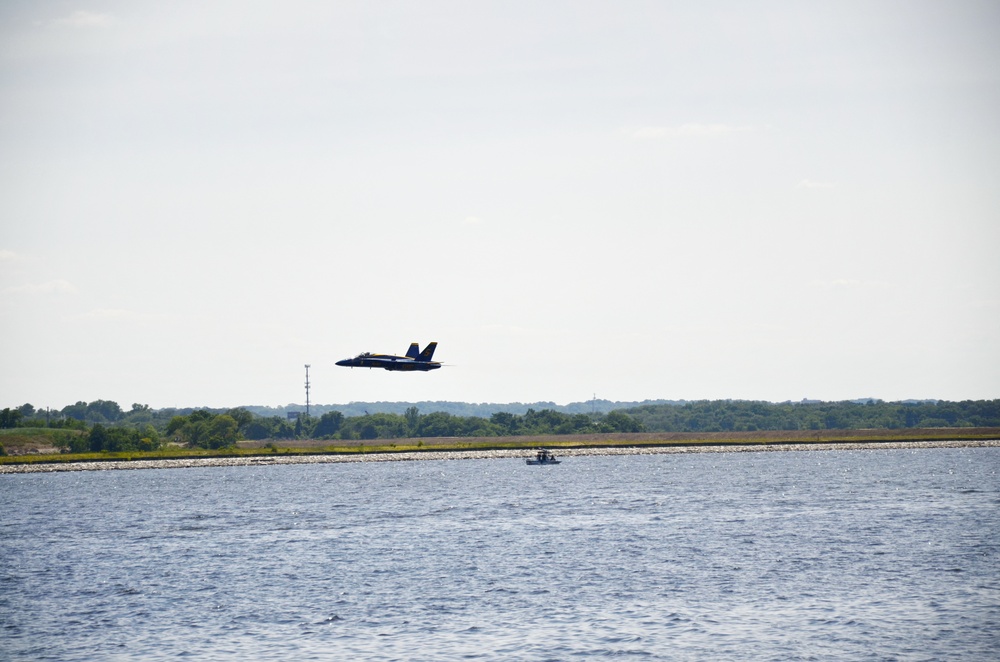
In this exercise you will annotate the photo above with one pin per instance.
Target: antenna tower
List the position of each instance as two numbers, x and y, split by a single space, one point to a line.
307 390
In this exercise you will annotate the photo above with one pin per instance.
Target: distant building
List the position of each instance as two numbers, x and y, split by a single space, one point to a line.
293 415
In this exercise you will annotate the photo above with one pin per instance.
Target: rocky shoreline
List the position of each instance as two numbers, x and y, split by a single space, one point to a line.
265 460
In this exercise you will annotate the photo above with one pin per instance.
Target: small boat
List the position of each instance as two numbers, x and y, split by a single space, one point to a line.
543 456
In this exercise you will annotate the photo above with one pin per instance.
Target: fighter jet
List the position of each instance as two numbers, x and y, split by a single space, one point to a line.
414 360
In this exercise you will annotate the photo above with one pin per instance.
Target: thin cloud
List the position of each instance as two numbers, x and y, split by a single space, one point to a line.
519 331
57 286
849 284
473 220
687 130
121 314
108 313
8 256
808 183
86 20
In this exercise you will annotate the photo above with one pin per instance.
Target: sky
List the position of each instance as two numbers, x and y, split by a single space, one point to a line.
626 200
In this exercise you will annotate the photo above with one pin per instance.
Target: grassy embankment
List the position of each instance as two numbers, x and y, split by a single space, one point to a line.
17 441
39 445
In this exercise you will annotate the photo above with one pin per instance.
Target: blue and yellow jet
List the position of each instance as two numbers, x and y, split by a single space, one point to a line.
414 360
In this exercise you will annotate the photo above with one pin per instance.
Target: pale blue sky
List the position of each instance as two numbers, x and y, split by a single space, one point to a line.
770 200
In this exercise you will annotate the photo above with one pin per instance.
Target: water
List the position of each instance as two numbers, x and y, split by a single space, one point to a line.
800 555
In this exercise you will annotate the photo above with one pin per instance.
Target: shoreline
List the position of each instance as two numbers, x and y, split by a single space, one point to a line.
267 460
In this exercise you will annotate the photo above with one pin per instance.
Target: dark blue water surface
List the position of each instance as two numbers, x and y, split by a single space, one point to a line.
890 554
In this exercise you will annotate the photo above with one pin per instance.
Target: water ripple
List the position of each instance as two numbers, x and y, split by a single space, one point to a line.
862 555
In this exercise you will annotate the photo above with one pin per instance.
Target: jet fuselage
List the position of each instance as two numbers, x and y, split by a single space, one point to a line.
414 360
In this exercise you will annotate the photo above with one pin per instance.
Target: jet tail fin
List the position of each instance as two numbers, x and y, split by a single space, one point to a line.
428 352
414 351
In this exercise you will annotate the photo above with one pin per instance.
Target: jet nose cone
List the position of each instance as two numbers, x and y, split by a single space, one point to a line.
344 362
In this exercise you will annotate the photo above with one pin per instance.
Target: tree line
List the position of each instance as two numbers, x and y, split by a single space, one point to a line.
480 409
411 424
141 428
104 426
745 415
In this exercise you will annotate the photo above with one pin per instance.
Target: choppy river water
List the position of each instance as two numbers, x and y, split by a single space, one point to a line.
876 554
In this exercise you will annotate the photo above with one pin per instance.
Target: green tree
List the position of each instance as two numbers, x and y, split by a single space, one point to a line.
507 423
121 439
258 430
200 415
175 425
242 417
619 421
77 411
98 438
79 443
328 425
149 438
222 431
474 426
437 424
374 426
281 429
546 421
9 418
412 417
104 410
